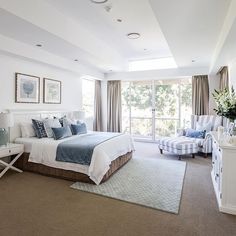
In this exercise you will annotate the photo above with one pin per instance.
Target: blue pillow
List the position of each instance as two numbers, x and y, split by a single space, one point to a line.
39 128
79 129
62 132
192 133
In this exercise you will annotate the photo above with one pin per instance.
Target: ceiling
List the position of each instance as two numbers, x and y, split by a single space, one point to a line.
188 30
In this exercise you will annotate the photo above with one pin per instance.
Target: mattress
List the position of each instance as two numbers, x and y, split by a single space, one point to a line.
28 143
43 151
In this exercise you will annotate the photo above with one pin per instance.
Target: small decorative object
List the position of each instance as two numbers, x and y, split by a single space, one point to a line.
27 88
6 121
51 91
226 106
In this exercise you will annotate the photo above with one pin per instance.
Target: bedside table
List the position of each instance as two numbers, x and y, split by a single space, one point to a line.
10 149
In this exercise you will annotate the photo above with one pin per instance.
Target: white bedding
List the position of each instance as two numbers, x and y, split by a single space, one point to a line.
43 151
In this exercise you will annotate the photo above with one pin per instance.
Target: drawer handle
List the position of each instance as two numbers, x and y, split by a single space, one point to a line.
9 151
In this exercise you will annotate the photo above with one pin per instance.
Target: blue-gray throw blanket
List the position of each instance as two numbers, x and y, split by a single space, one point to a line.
80 149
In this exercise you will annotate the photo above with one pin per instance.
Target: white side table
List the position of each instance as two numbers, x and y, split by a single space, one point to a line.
10 149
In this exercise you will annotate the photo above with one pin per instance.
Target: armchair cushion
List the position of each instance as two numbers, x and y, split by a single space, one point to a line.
192 133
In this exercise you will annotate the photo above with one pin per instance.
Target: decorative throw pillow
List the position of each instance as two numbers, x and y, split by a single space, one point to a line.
39 128
68 121
49 124
60 119
79 129
205 126
62 132
27 130
192 133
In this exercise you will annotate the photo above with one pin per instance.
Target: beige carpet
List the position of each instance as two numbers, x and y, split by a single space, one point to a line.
31 204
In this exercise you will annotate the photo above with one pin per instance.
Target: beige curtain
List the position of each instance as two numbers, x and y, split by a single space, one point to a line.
200 95
224 77
97 123
114 106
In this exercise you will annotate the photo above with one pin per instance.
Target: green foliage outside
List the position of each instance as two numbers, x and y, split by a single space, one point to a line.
137 100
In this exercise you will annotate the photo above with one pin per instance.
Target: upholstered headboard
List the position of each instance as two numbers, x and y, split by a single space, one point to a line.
27 115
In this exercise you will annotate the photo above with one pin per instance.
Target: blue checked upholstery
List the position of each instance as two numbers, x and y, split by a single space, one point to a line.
185 145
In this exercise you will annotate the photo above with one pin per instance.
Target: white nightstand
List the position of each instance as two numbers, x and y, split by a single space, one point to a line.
10 149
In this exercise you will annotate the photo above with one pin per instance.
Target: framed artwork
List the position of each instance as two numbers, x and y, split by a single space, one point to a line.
51 91
27 88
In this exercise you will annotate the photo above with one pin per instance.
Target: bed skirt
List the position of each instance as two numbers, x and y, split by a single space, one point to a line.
23 164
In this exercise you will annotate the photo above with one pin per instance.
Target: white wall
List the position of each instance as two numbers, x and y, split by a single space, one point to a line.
232 73
71 84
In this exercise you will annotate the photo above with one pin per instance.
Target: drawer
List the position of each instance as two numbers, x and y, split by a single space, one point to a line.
10 151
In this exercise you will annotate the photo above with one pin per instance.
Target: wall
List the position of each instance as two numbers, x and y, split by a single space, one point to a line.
71 84
232 73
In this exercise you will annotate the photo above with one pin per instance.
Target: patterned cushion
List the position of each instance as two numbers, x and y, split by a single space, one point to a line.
49 124
62 132
39 128
79 129
192 133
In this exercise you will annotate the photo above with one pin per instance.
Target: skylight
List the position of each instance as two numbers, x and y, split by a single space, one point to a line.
152 64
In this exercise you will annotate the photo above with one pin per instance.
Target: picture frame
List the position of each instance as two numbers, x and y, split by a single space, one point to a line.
27 88
51 91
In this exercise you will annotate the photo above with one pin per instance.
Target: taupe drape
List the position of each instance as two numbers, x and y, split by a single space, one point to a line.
97 122
200 95
224 78
114 106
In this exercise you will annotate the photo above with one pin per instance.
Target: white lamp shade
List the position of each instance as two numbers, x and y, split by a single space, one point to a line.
6 120
80 115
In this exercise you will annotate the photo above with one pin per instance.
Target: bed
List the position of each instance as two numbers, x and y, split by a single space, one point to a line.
40 154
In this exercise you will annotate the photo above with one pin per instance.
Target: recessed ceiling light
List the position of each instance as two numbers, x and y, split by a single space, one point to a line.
133 35
98 1
119 20
39 45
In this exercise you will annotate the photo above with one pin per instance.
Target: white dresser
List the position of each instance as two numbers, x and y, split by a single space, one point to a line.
224 174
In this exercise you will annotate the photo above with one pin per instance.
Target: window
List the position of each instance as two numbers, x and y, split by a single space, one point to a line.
88 88
153 64
156 108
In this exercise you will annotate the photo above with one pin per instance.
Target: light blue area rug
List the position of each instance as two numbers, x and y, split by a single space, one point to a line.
154 183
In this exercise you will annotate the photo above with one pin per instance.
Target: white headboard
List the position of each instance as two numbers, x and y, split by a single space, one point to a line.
27 115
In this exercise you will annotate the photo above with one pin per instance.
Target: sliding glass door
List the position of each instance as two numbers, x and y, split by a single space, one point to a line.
151 109
137 108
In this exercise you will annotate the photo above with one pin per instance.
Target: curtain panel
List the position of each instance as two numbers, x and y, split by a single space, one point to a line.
200 95
114 106
224 77
97 123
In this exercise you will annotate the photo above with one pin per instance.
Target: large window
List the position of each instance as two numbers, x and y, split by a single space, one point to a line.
88 97
156 108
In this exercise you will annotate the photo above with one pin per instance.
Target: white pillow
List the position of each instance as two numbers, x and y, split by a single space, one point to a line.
68 121
27 130
49 124
205 126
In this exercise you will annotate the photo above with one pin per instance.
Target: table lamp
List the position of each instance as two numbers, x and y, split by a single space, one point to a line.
6 121
79 115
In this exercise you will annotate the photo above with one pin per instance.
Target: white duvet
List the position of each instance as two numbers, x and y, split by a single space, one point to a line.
43 151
